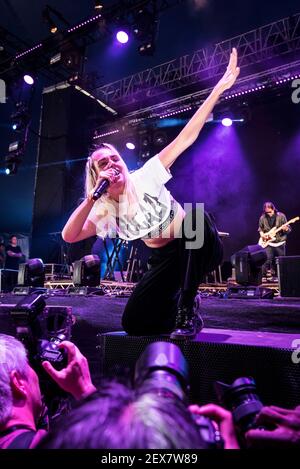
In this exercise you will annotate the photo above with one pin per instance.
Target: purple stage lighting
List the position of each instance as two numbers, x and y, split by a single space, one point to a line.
227 122
130 146
28 79
122 37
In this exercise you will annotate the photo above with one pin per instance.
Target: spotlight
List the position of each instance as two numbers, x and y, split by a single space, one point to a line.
160 139
11 168
227 122
248 264
98 5
86 276
145 154
48 14
31 277
20 117
130 146
147 48
47 19
28 79
122 37
145 143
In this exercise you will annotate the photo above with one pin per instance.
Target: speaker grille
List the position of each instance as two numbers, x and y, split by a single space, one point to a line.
277 377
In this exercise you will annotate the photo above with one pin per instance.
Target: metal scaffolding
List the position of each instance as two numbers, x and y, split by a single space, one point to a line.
256 49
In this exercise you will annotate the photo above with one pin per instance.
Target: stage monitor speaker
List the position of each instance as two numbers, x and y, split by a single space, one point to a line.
216 355
288 271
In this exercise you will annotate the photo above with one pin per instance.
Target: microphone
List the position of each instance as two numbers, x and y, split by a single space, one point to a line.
102 187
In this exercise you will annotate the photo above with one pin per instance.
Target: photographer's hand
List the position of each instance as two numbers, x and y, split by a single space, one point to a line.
75 378
286 432
224 420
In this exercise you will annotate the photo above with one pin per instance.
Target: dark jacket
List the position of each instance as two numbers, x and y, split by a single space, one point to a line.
280 220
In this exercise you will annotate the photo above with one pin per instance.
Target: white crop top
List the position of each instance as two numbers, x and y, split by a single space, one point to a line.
151 212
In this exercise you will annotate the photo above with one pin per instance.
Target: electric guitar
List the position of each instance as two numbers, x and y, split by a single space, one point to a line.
270 236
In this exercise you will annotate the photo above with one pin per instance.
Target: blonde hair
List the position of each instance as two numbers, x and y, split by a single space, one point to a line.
103 205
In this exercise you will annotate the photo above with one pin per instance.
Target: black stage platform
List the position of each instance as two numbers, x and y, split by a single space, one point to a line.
252 337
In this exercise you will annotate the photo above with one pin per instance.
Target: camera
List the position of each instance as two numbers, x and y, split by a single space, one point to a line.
48 350
41 329
163 369
242 400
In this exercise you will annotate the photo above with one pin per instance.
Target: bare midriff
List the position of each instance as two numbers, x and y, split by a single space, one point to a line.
171 232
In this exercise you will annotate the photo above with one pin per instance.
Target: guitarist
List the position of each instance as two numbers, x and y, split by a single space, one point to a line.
269 219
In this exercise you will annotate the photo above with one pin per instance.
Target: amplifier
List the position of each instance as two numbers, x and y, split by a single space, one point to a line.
288 271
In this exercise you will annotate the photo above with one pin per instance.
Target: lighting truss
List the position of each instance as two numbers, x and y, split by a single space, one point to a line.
258 46
86 32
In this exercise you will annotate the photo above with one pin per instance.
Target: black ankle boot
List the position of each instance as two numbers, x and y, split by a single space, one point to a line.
188 322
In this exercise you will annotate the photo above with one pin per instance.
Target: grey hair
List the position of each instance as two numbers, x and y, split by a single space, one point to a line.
12 357
118 417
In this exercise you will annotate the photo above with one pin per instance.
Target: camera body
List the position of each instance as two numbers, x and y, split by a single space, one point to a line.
41 329
49 350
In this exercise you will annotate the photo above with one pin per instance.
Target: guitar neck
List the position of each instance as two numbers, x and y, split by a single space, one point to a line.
286 224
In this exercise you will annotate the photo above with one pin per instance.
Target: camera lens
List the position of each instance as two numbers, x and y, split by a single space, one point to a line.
242 399
162 367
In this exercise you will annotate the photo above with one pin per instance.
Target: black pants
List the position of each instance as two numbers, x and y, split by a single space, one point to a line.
272 253
172 280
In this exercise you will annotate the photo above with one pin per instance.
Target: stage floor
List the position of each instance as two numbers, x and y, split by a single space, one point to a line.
104 312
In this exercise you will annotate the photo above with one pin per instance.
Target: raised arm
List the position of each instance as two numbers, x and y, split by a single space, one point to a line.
192 129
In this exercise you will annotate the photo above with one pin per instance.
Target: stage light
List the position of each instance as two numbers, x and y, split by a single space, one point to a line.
145 155
28 79
227 122
98 5
160 139
86 271
122 37
130 146
20 118
32 273
11 168
147 48
248 264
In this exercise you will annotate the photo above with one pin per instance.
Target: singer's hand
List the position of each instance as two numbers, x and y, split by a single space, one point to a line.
109 174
